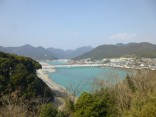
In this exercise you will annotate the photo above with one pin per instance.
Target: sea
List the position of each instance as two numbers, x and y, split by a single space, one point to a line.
86 79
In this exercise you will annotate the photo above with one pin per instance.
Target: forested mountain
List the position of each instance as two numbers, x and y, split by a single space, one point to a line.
143 49
38 53
62 54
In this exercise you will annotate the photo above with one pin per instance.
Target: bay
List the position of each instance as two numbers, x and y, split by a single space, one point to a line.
83 78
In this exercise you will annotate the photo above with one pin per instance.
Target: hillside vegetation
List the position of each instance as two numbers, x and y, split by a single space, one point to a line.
21 91
134 97
143 49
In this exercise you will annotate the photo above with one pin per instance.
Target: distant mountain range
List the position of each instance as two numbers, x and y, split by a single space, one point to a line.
59 53
40 53
143 49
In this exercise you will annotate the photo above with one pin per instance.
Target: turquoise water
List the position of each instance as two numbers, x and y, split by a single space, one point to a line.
83 77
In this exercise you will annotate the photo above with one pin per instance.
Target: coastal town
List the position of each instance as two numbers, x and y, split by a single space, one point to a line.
133 63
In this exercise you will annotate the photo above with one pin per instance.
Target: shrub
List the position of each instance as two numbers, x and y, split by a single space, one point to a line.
47 110
101 104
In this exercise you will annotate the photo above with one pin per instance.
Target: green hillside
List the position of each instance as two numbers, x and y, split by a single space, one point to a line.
119 50
19 84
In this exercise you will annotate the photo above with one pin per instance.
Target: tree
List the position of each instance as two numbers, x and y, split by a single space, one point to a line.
130 83
95 105
47 110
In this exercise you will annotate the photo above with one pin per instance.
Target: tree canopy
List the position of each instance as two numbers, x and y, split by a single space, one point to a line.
19 80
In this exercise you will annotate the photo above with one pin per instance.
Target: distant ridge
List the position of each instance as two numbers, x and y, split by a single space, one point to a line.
59 53
143 49
38 53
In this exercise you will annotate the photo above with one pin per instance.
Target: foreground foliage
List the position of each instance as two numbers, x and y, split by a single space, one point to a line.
95 105
23 94
19 85
133 97
47 110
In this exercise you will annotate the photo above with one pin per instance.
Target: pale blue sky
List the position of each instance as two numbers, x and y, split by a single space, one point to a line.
69 24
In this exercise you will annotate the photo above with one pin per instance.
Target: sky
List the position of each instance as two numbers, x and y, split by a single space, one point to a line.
69 24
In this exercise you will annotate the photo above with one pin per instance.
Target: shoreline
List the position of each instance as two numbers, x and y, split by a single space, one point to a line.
60 92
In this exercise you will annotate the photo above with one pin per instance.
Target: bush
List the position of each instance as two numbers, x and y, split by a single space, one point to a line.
142 108
101 104
47 110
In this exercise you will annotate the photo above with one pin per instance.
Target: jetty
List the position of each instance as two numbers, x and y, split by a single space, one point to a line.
71 66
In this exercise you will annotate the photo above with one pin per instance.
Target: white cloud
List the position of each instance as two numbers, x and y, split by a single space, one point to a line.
124 36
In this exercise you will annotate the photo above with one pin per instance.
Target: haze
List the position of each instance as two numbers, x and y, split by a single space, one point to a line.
69 24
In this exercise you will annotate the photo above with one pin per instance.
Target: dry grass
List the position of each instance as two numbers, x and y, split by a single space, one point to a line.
136 97
14 108
132 101
11 109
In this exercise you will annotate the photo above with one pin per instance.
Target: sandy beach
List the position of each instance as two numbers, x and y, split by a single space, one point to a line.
61 92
